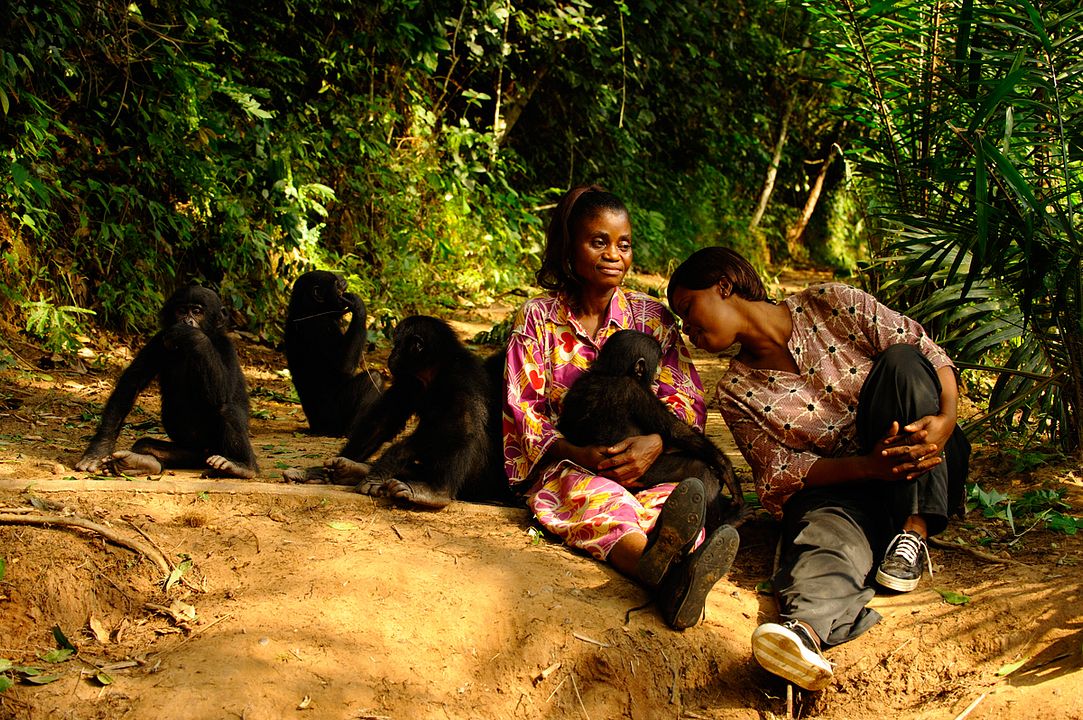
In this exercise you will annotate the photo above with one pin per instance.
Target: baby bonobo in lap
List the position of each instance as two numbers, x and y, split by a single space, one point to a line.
613 400
451 452
204 399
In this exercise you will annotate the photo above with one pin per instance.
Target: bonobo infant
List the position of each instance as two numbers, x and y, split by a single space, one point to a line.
204 400
613 400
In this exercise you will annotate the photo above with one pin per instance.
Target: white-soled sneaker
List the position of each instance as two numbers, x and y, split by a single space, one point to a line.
789 651
904 562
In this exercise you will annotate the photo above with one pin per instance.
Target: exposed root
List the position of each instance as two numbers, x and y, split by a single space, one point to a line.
113 536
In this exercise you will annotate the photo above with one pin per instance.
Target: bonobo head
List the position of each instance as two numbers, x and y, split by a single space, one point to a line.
317 290
629 353
195 306
422 343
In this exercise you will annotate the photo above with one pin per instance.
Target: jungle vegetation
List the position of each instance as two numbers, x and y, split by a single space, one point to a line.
928 150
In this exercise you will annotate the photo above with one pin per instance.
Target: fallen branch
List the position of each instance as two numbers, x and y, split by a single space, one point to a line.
46 520
980 554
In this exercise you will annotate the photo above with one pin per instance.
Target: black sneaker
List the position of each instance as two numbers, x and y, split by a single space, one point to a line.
677 526
683 593
904 562
790 651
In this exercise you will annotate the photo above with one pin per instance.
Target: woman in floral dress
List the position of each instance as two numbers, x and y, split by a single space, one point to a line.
589 496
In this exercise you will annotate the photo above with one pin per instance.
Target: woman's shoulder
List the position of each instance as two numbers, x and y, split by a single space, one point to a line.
539 306
834 295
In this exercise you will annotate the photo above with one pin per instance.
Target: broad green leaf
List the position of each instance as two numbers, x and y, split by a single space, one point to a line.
5 683
57 656
42 679
104 678
341 525
5 665
953 597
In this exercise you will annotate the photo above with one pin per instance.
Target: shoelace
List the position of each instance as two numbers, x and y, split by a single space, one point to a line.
909 547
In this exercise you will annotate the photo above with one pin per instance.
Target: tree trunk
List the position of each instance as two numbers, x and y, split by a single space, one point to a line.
795 235
772 170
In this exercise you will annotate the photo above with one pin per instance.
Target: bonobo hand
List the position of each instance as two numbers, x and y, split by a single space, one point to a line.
629 459
352 301
179 336
92 461
902 456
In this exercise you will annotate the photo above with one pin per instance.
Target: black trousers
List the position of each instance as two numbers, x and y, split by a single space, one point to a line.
833 537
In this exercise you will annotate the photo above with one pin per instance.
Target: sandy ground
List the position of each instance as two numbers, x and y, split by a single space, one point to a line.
310 601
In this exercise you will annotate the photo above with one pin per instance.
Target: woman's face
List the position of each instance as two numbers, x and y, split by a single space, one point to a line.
602 249
709 318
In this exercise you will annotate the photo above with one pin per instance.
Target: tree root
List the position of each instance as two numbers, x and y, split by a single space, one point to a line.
113 536
979 554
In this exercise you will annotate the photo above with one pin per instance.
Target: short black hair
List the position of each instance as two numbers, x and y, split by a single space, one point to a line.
707 266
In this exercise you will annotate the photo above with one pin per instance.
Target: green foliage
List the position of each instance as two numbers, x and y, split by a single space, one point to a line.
1035 507
56 326
953 597
412 146
972 112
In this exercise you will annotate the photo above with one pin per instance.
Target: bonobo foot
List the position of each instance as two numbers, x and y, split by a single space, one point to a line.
126 462
344 471
221 466
416 493
312 475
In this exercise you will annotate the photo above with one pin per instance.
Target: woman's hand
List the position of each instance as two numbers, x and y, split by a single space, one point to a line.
905 455
931 430
629 459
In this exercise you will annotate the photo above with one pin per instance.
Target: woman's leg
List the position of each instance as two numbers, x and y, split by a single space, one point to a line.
902 386
820 583
825 562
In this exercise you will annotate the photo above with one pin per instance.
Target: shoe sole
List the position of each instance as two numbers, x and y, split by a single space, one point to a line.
679 523
713 561
783 654
893 583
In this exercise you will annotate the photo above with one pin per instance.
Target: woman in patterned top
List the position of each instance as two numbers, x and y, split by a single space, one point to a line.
589 496
846 412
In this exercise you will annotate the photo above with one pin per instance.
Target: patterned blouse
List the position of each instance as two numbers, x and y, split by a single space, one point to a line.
783 423
549 350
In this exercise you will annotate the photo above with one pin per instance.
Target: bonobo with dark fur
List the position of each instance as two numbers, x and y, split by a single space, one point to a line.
613 400
323 359
450 454
204 400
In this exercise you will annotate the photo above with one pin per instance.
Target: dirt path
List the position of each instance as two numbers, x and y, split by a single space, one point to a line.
315 602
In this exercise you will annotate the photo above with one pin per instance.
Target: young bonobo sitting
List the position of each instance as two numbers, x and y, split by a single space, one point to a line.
436 378
613 400
323 358
204 400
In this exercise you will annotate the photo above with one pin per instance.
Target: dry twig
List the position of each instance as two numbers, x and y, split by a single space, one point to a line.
980 554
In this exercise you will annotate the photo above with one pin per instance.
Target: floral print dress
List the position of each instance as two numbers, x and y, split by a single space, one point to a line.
547 352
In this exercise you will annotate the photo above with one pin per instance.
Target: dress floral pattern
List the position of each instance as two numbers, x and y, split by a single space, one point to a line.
784 422
547 352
